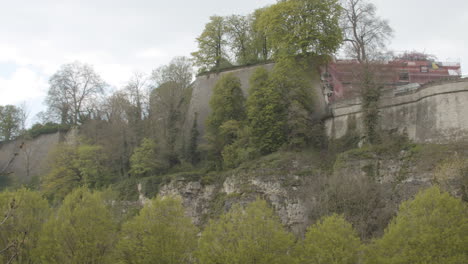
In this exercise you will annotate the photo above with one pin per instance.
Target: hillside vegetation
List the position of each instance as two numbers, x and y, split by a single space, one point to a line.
137 184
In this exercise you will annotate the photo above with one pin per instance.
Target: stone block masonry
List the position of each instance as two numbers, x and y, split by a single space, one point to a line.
436 113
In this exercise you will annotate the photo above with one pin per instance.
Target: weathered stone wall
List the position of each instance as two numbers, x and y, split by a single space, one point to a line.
28 156
203 89
435 114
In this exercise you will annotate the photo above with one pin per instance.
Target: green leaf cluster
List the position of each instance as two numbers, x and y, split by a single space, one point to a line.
246 235
303 27
332 240
82 231
432 228
146 161
73 166
161 233
227 111
266 113
24 213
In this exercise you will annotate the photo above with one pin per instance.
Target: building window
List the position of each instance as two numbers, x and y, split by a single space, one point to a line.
424 69
404 76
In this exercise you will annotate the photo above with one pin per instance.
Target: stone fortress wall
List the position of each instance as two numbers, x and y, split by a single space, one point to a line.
435 113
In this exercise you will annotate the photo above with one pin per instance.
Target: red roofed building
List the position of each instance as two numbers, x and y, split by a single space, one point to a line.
405 73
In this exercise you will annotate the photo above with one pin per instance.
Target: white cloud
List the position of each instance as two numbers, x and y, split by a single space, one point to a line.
24 84
151 53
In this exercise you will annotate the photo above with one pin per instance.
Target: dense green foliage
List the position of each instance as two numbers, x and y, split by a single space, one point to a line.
161 233
211 44
331 240
266 113
47 128
303 26
139 139
432 228
246 235
228 108
144 161
89 227
370 94
82 231
11 119
24 213
73 166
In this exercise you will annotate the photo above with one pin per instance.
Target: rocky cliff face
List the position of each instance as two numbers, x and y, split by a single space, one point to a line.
366 185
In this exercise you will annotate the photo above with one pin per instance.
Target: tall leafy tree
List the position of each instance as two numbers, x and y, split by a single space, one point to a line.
82 231
246 235
146 161
136 91
239 32
370 95
432 228
266 113
169 102
23 214
227 104
303 26
365 34
193 152
291 77
73 89
11 119
74 166
211 45
260 40
161 233
332 240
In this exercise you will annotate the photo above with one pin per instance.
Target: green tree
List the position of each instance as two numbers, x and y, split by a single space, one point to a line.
330 241
240 149
303 26
23 214
292 79
146 161
246 235
452 176
227 103
266 113
169 102
73 91
260 41
211 45
432 228
82 231
370 95
161 233
239 32
365 34
10 122
72 166
193 152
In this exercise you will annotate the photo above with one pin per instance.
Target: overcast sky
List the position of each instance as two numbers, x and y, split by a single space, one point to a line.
119 37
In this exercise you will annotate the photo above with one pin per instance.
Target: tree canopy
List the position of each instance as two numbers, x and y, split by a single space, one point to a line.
332 240
161 233
82 231
11 122
250 235
365 34
303 26
432 228
73 90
